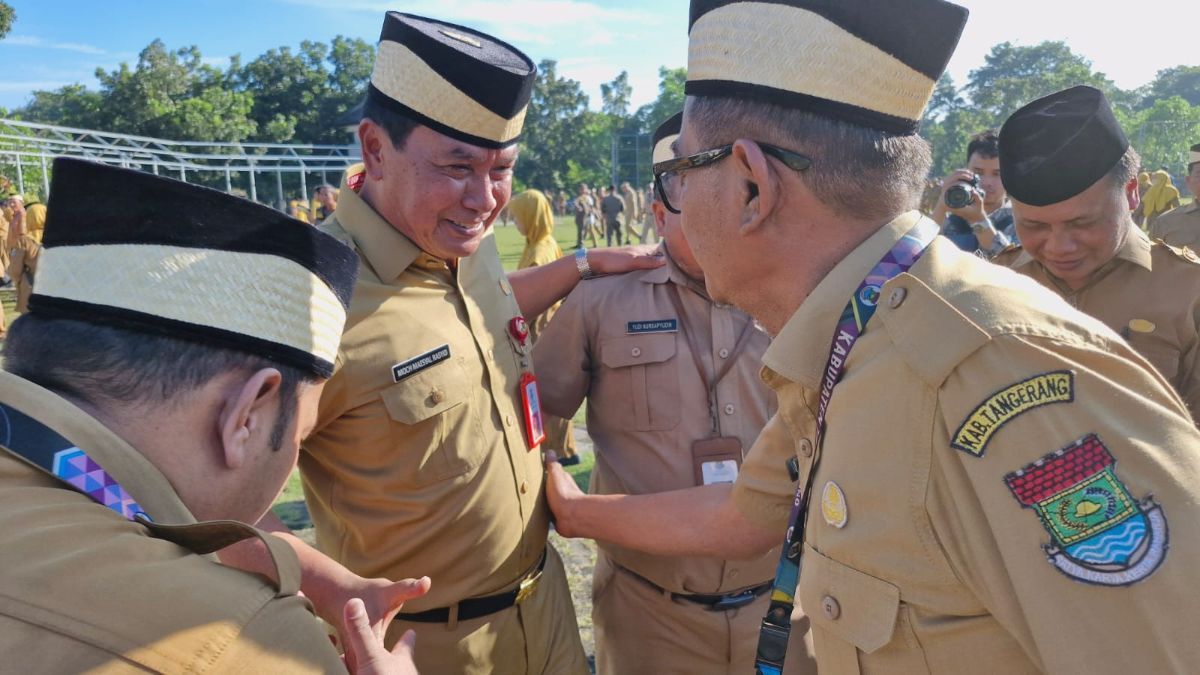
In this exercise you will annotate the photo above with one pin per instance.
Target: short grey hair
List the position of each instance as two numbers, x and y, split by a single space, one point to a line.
867 172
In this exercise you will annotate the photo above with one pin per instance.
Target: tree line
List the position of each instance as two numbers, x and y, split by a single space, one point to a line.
290 95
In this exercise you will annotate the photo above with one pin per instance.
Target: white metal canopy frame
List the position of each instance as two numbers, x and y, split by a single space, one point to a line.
29 146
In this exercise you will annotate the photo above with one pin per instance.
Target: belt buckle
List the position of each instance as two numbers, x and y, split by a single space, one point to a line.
528 587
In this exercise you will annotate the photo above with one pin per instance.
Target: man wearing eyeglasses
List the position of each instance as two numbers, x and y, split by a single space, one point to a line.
674 401
991 480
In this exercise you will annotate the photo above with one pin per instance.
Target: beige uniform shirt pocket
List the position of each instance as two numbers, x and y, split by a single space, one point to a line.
854 618
642 380
1163 355
430 404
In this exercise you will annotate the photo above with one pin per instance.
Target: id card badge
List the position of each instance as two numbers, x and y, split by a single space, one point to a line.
717 460
535 430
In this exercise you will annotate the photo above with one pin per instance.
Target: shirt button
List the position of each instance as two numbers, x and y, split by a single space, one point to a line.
897 297
724 353
491 355
524 487
437 395
504 286
830 606
729 408
508 419
636 352
733 574
806 448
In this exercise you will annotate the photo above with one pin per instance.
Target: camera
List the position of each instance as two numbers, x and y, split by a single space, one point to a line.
962 194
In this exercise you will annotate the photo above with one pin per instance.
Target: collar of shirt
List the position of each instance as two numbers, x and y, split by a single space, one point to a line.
800 350
384 248
141 479
673 273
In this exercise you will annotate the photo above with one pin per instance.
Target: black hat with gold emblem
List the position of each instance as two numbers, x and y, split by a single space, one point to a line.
154 255
452 79
872 63
1059 145
664 136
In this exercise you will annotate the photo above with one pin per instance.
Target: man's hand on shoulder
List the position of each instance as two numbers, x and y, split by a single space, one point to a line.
561 491
625 259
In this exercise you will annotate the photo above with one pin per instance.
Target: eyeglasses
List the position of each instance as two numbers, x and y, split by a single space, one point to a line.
666 173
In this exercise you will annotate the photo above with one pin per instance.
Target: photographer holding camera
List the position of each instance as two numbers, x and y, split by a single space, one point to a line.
973 208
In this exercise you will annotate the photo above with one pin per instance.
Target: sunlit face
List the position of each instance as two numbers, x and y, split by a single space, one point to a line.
710 217
443 193
988 170
1074 238
670 228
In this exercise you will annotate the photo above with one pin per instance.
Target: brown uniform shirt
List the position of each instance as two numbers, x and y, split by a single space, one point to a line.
1150 295
83 589
22 269
1179 227
418 464
647 404
939 512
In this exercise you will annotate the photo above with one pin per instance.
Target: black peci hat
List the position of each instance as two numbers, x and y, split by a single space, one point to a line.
1059 145
664 136
872 63
452 79
155 255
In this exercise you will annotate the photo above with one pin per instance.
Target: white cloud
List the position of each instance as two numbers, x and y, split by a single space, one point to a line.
34 41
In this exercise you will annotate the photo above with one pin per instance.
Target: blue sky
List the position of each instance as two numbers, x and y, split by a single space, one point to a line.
57 42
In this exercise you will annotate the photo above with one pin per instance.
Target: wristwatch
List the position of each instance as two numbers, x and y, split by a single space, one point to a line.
982 225
581 263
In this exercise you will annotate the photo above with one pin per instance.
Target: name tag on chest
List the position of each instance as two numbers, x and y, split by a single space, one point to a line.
406 369
660 326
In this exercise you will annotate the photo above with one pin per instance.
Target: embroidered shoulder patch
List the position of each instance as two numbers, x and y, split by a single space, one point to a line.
660 326
406 369
1099 533
976 431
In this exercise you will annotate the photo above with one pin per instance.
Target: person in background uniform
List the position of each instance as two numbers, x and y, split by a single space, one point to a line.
1080 241
632 201
23 252
424 454
992 480
649 232
534 219
986 223
584 217
138 426
1161 197
611 208
1181 226
324 203
696 405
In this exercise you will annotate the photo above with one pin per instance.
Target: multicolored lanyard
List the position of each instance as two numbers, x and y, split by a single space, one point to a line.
776 625
44 448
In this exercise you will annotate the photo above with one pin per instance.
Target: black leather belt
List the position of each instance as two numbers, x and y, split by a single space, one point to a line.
714 603
473 608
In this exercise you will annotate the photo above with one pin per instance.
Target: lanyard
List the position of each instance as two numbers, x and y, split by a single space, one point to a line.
776 625
44 448
709 384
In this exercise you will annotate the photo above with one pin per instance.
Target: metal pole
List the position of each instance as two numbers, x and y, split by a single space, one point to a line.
228 185
253 187
303 185
45 177
155 166
615 152
279 190
182 173
20 175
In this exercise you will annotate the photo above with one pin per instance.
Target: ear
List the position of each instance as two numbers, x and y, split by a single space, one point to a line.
371 138
660 216
245 413
1131 194
760 189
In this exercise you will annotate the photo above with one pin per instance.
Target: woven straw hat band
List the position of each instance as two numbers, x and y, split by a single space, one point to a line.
662 149
287 305
803 53
404 77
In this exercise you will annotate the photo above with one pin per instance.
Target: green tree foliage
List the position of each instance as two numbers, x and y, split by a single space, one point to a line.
670 99
1181 81
564 142
7 17
1012 76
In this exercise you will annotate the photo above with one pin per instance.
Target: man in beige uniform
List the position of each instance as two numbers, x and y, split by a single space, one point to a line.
1181 226
997 473
633 212
625 343
129 409
424 459
24 250
1080 241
